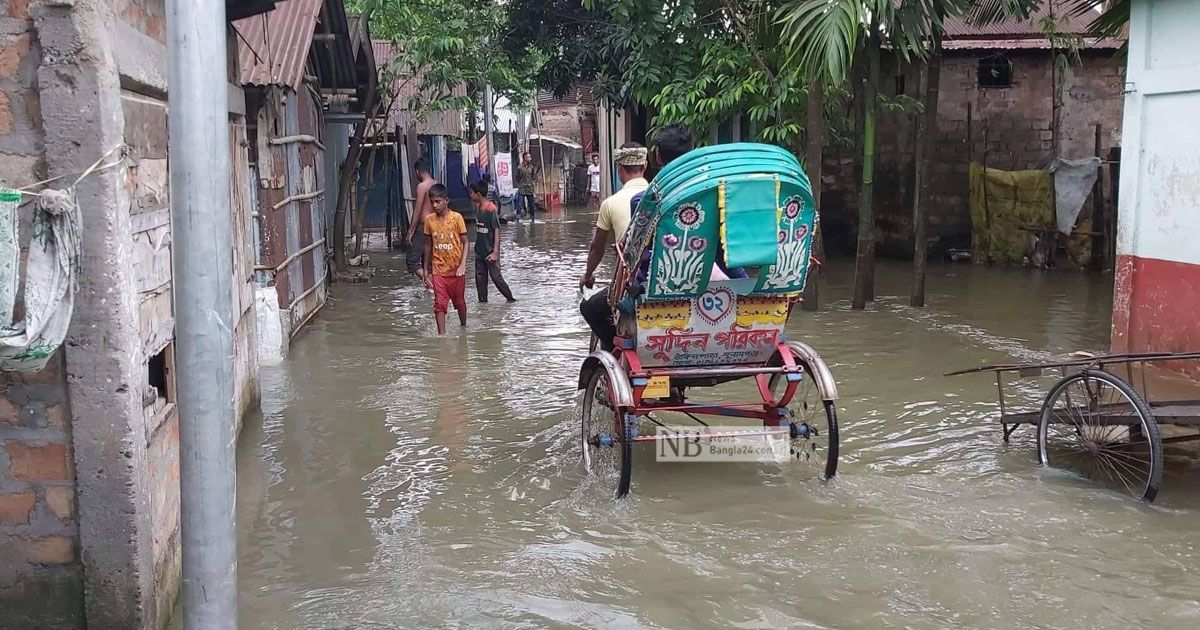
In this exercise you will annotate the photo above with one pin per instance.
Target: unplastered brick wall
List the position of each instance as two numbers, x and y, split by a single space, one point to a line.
20 122
40 575
40 572
561 121
147 16
1019 135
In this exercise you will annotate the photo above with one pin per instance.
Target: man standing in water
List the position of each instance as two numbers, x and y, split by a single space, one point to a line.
445 257
414 257
593 172
526 176
611 225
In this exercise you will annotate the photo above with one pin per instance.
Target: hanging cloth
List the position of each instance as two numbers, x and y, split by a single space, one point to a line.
1073 182
51 278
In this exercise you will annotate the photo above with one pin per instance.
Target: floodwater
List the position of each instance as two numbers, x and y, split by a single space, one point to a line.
401 480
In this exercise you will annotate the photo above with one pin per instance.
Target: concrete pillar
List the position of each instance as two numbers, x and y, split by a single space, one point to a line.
82 113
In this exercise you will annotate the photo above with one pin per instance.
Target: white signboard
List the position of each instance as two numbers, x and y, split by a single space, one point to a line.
716 328
504 175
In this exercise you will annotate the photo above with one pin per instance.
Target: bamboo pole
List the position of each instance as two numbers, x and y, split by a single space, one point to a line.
864 266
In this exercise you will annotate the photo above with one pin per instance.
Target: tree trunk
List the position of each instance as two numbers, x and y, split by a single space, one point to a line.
471 126
816 146
360 213
864 265
346 183
922 187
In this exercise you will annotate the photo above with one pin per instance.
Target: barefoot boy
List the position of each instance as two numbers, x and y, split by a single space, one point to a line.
415 240
446 257
487 243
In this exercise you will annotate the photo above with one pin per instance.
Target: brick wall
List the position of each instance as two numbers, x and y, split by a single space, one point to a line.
40 573
1018 121
94 482
561 121
147 16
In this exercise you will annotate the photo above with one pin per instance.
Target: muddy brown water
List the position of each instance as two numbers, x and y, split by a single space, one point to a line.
400 480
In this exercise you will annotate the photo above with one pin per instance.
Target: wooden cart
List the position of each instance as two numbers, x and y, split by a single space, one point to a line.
1095 422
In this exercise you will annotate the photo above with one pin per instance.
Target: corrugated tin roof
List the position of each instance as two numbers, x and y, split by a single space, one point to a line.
1022 44
405 87
273 47
238 9
1022 34
576 95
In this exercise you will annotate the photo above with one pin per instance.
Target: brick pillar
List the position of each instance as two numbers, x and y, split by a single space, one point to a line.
82 114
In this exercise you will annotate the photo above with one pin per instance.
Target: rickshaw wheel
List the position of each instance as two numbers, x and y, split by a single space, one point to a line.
606 452
1096 425
812 443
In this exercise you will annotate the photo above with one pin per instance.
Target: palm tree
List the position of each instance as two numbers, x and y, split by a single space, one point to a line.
1111 17
827 36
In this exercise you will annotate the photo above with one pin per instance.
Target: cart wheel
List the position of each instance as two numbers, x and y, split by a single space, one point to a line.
607 453
814 425
1095 424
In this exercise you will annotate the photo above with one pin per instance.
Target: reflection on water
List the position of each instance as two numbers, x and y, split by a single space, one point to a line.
398 479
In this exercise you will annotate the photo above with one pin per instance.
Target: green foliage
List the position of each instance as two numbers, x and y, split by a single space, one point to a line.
578 44
696 62
827 34
448 43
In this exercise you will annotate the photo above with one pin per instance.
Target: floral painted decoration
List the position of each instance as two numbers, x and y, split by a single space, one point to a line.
689 216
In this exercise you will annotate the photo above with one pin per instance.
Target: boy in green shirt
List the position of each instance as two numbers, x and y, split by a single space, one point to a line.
487 243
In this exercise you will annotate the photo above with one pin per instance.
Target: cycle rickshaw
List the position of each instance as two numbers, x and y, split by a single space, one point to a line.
687 320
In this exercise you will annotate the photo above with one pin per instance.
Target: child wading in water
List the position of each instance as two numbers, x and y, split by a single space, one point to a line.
487 244
446 258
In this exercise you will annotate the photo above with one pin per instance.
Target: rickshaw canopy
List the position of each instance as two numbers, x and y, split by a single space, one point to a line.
746 205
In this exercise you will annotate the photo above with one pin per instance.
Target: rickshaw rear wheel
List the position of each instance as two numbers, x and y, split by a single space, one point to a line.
1096 425
606 450
812 443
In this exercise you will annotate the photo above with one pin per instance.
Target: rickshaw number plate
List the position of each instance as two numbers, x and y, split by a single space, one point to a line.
658 387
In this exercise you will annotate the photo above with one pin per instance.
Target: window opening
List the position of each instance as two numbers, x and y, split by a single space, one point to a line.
995 72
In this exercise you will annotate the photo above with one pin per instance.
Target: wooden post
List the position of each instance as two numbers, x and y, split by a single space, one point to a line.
970 135
1098 221
1113 197
925 149
987 213
815 155
391 165
537 118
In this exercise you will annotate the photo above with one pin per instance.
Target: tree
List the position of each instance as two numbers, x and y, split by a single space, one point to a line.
442 45
828 36
579 43
927 128
695 62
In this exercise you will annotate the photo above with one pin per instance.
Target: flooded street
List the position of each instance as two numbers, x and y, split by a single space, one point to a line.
400 480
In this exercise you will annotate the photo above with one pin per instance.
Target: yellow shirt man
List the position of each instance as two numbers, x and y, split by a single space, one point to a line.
615 211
